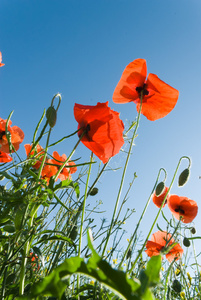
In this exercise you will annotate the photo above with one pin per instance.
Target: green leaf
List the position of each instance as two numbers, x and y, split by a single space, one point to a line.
153 269
56 238
97 268
9 228
19 217
68 184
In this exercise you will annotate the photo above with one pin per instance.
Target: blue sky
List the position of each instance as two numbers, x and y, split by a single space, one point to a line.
80 49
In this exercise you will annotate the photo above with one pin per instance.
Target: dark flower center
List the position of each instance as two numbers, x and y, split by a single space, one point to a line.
142 89
2 133
180 210
87 128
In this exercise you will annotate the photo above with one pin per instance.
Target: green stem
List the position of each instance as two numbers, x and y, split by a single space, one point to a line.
69 157
82 217
26 253
123 176
141 217
156 218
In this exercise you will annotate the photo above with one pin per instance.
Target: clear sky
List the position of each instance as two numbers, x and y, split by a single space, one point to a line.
80 49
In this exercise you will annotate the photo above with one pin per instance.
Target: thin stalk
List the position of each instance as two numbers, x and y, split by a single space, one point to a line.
37 127
125 198
123 176
156 218
82 217
69 157
141 217
45 154
25 254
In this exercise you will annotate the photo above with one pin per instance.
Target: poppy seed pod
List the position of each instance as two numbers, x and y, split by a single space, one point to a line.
94 191
193 230
73 233
160 188
176 286
129 253
51 115
183 177
186 242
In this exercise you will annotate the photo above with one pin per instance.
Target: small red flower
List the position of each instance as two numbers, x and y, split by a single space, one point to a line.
48 170
159 98
17 136
183 207
5 157
159 199
37 152
59 160
104 129
34 258
159 241
1 64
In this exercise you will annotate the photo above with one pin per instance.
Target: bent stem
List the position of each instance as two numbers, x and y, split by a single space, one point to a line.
156 218
141 217
123 176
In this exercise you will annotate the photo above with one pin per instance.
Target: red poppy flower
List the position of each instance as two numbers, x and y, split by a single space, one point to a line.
159 98
104 129
1 64
48 170
38 151
5 157
159 241
159 199
183 207
17 136
59 160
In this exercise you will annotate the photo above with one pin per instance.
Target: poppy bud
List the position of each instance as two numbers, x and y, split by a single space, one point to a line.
51 115
176 286
160 188
94 191
183 177
74 233
129 253
193 230
186 242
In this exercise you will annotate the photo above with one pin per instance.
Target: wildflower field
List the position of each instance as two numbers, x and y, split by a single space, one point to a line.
71 226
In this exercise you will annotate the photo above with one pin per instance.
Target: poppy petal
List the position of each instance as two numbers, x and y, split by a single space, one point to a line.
160 237
159 240
5 157
153 248
175 252
104 129
1 64
183 206
161 99
158 200
133 76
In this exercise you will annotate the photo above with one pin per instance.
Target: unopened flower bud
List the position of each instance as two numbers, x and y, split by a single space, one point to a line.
193 230
51 115
176 286
186 242
183 177
160 188
129 253
73 233
94 191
